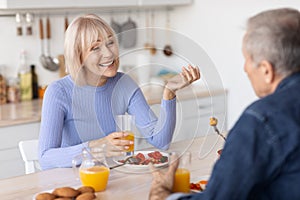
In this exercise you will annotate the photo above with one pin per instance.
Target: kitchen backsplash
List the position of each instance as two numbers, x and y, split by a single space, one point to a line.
12 43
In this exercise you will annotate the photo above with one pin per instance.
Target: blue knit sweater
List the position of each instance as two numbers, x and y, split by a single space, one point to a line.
73 115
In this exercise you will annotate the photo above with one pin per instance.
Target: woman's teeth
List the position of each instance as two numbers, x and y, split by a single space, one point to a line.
106 64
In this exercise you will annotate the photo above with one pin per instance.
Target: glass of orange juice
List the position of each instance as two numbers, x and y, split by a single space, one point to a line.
92 168
95 176
182 174
126 123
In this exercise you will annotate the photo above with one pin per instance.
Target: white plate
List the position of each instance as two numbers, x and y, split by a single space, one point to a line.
142 167
195 191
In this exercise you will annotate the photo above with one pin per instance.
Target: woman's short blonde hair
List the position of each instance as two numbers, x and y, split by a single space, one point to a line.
81 33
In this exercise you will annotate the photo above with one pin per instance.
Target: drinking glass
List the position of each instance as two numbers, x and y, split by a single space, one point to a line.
126 123
182 174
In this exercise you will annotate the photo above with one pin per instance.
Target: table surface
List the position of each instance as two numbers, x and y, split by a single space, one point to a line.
124 183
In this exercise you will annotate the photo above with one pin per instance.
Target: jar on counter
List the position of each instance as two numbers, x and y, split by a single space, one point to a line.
2 90
42 90
13 91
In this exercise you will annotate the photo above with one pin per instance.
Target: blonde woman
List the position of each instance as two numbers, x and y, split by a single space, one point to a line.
78 110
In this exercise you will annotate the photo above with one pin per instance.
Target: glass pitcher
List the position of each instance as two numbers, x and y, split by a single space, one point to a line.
92 168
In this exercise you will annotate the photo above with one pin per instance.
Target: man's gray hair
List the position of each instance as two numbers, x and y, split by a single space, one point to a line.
274 36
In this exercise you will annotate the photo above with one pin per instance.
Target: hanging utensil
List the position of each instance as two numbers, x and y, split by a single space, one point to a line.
129 34
29 21
147 45
168 49
42 56
60 57
66 22
116 27
19 21
52 63
153 48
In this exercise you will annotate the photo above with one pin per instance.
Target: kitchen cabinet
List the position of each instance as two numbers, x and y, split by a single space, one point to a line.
48 4
69 6
192 117
11 163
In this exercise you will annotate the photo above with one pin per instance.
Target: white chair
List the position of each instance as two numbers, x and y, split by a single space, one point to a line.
29 153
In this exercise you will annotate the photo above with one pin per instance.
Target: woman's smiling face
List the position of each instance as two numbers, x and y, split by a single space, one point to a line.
102 57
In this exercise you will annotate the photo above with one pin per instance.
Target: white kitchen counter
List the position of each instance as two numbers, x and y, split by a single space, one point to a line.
20 113
30 111
195 106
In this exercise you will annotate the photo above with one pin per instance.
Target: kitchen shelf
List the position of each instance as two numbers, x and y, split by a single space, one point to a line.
56 7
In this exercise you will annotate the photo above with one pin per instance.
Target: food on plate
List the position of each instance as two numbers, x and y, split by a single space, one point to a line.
199 186
203 182
68 193
86 196
213 121
85 189
219 151
45 196
154 157
195 186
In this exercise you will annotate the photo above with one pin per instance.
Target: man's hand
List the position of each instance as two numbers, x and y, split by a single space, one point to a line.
162 182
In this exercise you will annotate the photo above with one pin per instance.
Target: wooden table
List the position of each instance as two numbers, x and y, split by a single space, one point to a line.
121 185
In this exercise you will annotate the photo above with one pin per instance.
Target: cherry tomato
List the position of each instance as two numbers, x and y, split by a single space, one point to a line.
141 157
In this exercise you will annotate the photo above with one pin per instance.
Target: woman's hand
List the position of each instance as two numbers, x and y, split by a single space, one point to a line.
181 80
115 144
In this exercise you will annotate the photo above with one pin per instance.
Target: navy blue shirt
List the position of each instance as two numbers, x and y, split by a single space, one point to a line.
261 157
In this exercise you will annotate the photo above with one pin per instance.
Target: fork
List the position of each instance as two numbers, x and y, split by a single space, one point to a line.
130 159
213 122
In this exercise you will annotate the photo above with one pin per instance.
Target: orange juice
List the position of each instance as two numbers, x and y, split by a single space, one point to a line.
96 177
130 137
182 181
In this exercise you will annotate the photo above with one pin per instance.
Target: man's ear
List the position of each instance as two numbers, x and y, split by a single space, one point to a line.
267 71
